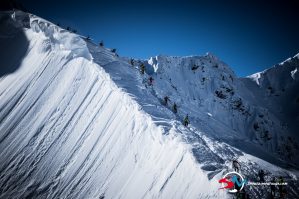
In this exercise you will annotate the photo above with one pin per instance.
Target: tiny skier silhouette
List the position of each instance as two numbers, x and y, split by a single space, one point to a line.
186 120
175 109
166 99
261 175
142 69
236 166
151 80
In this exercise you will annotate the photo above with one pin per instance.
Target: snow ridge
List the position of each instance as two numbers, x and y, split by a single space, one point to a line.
67 131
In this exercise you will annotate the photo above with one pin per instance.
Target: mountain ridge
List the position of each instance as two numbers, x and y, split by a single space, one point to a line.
224 112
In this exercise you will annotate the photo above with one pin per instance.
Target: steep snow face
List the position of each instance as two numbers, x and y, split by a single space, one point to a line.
67 131
233 109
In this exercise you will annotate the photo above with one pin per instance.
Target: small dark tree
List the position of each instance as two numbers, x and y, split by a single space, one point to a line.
215 66
220 95
68 28
101 43
238 103
228 90
271 89
132 61
113 50
194 67
256 126
265 135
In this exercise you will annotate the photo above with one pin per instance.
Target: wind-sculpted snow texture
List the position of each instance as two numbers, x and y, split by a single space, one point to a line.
77 121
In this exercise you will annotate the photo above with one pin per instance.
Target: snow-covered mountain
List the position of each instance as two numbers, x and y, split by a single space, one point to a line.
78 121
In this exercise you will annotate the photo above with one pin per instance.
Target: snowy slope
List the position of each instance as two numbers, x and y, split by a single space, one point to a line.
68 131
77 121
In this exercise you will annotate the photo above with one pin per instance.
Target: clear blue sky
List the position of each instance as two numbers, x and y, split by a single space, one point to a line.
248 35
